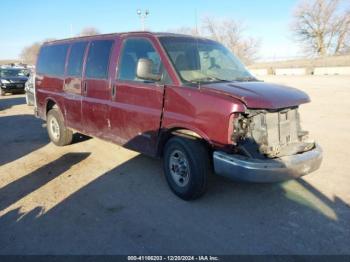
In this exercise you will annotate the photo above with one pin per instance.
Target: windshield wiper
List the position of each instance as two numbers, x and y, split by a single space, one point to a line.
246 79
209 78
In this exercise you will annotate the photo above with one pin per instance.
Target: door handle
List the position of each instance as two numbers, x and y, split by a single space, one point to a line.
85 88
113 90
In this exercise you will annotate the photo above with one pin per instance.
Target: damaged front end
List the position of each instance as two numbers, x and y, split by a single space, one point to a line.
269 145
270 133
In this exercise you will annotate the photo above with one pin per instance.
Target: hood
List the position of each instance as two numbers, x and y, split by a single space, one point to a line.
260 94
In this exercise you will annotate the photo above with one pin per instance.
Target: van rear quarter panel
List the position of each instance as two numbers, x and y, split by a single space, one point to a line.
48 88
206 114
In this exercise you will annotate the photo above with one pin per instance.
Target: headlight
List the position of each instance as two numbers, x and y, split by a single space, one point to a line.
4 81
240 127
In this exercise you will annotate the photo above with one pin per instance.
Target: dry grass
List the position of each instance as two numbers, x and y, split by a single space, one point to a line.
5 62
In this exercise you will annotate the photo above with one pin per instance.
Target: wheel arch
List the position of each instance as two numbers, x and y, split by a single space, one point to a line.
51 103
166 134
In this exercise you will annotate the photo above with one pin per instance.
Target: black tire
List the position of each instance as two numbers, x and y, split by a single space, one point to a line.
194 184
63 136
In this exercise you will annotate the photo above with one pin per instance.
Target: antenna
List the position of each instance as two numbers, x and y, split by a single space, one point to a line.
197 44
71 30
196 20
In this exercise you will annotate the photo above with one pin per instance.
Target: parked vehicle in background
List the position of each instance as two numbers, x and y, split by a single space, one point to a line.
188 100
30 90
12 80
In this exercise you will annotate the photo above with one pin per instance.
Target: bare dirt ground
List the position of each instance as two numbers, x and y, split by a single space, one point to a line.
93 197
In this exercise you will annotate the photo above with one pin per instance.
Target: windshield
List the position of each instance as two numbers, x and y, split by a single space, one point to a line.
201 60
12 73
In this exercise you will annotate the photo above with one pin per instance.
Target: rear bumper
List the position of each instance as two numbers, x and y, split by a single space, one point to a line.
270 170
17 87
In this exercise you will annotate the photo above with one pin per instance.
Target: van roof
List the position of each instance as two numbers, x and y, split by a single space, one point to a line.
157 34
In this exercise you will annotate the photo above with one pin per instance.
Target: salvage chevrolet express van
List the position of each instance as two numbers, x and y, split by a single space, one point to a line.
185 99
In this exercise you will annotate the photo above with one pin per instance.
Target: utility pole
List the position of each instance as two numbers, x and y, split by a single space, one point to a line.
143 16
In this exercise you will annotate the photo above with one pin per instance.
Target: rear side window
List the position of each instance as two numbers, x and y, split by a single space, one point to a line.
75 60
98 59
52 60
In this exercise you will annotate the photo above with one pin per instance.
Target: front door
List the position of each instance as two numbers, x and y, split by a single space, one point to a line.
96 90
136 107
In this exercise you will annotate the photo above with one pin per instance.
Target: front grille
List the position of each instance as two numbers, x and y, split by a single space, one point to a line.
282 127
14 85
277 133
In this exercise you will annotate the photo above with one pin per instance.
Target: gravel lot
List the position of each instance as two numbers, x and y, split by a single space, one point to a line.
93 197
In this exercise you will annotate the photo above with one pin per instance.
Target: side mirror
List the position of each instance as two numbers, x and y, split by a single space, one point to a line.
144 70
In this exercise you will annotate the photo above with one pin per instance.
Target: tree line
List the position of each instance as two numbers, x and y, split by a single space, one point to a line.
30 53
322 28
319 26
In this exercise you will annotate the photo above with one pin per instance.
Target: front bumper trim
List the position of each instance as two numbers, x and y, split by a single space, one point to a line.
241 168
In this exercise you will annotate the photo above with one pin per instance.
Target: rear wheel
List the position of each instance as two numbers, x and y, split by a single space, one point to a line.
59 134
186 167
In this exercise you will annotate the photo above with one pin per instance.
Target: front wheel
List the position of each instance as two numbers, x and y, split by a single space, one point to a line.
59 134
186 166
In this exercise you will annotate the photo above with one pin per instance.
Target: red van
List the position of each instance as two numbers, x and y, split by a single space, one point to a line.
186 99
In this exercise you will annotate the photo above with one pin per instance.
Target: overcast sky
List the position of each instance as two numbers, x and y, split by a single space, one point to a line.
25 22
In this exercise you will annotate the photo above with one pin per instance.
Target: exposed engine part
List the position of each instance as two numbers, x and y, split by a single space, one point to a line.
270 133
